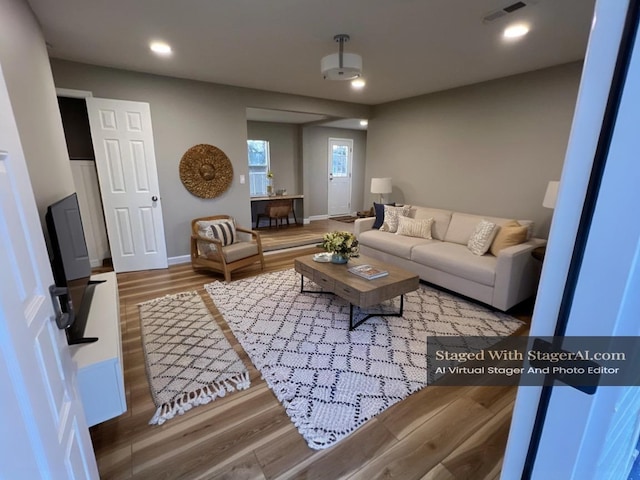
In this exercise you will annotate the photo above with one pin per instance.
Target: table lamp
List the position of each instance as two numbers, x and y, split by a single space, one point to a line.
381 186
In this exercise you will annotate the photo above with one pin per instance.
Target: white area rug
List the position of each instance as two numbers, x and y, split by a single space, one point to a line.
189 361
329 379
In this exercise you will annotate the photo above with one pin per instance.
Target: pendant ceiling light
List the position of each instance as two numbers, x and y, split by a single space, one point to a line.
341 66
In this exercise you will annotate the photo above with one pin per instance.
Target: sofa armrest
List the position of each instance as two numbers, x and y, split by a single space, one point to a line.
362 225
517 274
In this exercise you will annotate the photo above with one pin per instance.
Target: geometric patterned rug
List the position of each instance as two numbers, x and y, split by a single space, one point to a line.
329 379
188 359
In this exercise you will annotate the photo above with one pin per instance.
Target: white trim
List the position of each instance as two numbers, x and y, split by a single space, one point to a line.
179 260
71 93
313 218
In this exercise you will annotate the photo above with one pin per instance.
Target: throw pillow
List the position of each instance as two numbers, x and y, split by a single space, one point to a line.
482 237
391 215
379 210
510 234
204 230
411 227
225 232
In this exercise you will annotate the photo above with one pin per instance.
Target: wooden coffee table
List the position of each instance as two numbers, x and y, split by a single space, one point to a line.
360 292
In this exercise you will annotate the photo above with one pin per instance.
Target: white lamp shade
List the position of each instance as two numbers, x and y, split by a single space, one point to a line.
381 185
551 195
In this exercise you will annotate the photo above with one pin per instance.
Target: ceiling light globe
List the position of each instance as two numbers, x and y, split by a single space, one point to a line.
364 123
516 31
358 83
160 48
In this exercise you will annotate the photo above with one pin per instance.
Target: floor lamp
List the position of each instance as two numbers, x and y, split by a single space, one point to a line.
381 186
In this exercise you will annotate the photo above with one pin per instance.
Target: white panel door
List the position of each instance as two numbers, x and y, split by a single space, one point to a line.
340 162
44 432
125 158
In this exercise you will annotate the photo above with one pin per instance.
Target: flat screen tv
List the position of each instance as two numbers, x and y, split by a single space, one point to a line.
71 265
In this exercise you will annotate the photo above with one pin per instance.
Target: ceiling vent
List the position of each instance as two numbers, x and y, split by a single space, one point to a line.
341 66
494 15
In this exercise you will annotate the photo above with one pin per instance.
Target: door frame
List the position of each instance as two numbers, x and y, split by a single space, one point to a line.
569 423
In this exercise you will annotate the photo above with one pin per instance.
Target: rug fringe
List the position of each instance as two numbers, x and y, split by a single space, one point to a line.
169 296
204 395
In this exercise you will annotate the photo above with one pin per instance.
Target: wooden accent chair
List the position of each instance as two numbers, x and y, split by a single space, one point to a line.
208 252
277 210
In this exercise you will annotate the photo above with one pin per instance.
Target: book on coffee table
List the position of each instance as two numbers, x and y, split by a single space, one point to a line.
368 271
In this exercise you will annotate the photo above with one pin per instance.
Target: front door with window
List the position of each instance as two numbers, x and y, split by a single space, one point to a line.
339 189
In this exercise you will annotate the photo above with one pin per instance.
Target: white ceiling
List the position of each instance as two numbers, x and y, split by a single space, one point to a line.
409 47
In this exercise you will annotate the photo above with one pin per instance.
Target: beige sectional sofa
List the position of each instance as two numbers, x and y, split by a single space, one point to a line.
501 281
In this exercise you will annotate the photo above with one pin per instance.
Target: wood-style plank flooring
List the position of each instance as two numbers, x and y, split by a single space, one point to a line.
437 433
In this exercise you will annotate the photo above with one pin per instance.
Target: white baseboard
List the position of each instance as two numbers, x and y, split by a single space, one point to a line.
313 218
179 260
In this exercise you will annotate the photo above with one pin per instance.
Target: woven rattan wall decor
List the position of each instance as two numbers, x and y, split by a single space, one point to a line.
206 171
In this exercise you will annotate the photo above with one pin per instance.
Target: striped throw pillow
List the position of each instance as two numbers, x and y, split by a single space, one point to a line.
225 232
411 227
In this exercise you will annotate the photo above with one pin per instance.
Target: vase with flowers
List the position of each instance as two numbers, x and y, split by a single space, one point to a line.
342 246
269 183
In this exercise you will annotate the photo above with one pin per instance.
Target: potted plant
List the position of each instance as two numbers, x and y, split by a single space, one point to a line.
342 246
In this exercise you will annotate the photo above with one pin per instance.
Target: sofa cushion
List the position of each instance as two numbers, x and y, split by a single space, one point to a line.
441 219
462 226
412 227
510 234
391 243
457 260
482 237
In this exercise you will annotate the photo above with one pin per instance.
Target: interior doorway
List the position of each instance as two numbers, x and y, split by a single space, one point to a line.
75 121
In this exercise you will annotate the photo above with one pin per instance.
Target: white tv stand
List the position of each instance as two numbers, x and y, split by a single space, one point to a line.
100 367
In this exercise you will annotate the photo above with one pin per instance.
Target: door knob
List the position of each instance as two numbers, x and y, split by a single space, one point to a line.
154 199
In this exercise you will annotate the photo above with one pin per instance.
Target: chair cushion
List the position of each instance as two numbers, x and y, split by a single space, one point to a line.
239 250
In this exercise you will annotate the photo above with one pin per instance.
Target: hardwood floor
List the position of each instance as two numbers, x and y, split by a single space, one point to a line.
437 433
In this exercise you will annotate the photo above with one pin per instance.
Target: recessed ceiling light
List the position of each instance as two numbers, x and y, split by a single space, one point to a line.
364 123
516 31
160 48
358 83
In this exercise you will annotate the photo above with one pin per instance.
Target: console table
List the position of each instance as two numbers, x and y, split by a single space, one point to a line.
100 368
258 204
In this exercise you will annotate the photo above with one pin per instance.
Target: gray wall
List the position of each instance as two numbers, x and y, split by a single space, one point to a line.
27 73
185 113
315 147
285 152
489 148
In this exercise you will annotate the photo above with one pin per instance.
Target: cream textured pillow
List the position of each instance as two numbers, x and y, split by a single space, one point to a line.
391 215
510 234
205 230
411 227
482 236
